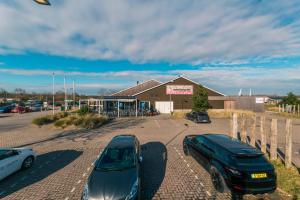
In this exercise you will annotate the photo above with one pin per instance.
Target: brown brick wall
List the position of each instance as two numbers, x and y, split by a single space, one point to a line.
180 101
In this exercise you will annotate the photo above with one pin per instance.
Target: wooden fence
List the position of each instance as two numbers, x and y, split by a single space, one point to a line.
248 125
293 109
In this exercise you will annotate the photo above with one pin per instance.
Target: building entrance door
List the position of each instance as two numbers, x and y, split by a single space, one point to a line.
164 106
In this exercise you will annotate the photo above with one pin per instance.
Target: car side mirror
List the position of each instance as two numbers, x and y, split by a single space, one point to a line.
15 152
140 159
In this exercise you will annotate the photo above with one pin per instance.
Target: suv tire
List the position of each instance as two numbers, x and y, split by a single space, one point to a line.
217 180
186 150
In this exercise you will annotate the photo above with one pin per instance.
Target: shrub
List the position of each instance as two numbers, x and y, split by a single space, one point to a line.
60 115
90 121
43 120
84 110
60 123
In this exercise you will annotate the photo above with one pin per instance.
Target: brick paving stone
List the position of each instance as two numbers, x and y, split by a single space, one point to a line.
65 156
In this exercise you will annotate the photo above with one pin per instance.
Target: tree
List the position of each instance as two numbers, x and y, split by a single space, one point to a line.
290 99
200 100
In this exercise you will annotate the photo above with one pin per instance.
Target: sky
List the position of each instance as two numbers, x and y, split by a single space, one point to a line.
226 45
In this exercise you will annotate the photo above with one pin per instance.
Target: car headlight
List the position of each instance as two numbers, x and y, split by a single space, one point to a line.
133 190
85 193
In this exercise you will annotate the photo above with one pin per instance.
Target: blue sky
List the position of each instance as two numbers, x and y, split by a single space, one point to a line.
105 45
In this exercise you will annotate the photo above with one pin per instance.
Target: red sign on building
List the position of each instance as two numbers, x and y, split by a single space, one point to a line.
179 89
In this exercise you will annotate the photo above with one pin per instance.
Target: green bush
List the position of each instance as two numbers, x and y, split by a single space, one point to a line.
43 120
84 110
60 115
90 121
60 123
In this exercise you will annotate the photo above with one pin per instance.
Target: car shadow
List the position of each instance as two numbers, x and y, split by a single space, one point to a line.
153 168
44 166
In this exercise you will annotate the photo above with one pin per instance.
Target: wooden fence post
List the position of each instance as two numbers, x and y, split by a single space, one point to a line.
263 134
243 129
273 143
288 143
252 132
234 125
294 109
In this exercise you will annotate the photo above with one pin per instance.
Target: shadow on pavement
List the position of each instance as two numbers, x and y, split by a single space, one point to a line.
90 134
24 178
153 168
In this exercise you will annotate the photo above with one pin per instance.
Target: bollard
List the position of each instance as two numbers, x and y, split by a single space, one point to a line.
252 132
263 134
288 143
273 143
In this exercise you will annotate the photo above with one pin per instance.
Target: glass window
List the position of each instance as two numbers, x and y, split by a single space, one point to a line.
6 154
250 159
117 159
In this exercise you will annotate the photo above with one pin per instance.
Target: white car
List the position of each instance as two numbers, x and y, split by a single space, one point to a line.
14 159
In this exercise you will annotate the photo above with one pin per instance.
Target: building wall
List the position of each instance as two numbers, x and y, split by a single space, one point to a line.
181 102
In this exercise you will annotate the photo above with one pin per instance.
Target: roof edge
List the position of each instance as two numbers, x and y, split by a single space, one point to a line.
134 86
176 79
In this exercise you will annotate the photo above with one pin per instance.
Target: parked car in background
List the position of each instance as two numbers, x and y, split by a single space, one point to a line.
198 117
116 174
14 159
36 107
18 109
233 165
6 109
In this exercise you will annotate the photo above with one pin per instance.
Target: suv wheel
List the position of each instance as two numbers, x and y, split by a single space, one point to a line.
217 179
186 150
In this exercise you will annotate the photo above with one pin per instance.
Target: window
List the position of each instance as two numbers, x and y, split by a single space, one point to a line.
117 159
6 154
144 105
250 159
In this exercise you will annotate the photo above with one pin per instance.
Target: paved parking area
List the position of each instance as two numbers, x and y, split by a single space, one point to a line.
65 160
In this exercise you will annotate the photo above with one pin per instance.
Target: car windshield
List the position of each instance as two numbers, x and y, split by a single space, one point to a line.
117 159
250 159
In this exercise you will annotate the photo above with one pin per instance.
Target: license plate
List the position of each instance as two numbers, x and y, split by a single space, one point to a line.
259 175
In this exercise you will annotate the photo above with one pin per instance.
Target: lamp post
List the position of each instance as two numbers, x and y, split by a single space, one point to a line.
53 103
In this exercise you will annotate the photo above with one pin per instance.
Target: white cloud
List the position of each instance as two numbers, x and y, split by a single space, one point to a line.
227 80
174 31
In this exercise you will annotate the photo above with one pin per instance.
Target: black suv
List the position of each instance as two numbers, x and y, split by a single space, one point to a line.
233 165
116 174
198 117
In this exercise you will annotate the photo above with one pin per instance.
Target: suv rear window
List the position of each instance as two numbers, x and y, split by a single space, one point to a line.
250 159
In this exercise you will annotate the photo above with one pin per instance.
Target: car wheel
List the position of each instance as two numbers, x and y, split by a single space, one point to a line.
235 196
217 179
186 150
27 163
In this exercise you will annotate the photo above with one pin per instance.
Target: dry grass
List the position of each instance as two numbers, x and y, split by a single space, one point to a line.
226 114
216 113
288 180
179 114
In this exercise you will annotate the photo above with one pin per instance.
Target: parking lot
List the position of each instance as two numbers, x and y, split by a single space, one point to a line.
65 160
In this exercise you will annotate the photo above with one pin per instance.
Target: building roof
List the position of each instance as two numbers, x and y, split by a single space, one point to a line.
138 88
176 79
151 84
